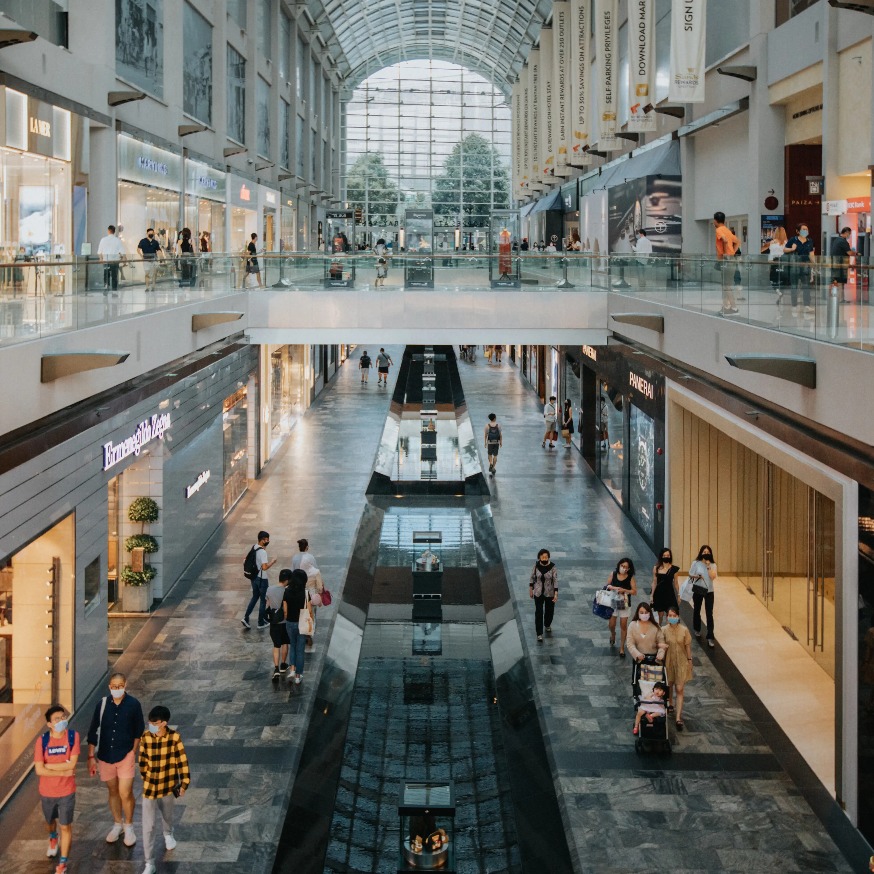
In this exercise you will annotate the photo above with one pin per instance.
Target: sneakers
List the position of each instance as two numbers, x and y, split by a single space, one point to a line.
150 868
548 629
275 674
263 625
283 667
52 851
290 675
730 311
540 638
245 623
129 837
170 842
297 679
61 868
114 833
711 643
808 310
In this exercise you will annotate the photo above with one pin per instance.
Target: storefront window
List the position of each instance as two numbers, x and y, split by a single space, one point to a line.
287 391
235 448
641 474
36 210
611 447
209 217
572 391
141 207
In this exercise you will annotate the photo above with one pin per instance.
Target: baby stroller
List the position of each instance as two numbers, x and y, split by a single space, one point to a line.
653 736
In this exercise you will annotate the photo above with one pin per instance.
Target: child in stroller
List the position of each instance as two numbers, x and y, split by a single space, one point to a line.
651 707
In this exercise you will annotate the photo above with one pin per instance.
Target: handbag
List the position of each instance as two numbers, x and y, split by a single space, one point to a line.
326 598
305 623
601 610
554 435
686 590
316 599
604 597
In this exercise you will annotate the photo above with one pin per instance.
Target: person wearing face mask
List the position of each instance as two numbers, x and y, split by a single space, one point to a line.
803 253
113 744
644 636
55 754
703 575
678 662
543 588
148 249
622 582
166 777
665 592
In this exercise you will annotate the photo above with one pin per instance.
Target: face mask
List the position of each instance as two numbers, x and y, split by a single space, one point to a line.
802 234
673 619
117 693
544 561
61 726
644 617
154 729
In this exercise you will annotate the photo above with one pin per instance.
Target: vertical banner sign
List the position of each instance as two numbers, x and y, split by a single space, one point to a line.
606 29
526 127
547 117
561 80
688 34
534 86
578 98
516 99
641 55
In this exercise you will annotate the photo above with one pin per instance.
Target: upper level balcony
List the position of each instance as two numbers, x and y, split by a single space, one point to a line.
713 316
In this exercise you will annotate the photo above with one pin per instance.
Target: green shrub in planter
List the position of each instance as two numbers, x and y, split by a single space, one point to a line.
142 510
141 541
135 578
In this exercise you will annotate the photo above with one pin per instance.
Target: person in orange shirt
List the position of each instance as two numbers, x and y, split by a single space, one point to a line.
727 246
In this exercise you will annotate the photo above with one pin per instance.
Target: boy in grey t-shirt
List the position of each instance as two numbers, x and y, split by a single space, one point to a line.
278 631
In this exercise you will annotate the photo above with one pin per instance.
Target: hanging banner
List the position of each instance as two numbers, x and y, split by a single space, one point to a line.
525 82
547 131
534 86
578 94
641 58
560 44
688 33
606 30
518 149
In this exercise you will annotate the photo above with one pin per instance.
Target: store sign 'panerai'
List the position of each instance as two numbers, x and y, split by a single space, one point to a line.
147 430
644 386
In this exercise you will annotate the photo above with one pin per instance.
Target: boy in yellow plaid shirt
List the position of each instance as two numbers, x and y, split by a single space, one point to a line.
164 768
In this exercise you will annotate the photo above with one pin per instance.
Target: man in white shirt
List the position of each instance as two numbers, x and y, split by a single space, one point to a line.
643 249
110 251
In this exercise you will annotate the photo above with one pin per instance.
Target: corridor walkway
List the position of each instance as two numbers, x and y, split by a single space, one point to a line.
722 802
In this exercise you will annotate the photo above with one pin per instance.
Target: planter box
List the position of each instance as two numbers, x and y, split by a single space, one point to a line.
136 599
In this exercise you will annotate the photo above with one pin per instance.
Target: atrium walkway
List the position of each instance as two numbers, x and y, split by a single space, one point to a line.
722 802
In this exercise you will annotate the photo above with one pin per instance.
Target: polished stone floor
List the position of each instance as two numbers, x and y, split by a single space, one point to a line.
722 802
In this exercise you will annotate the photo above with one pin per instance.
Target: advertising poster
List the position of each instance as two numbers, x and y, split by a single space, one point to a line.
579 82
561 78
197 65
653 203
139 43
606 33
641 473
688 32
641 71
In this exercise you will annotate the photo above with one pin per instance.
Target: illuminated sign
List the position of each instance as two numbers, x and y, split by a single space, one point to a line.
147 430
638 383
245 193
206 182
152 166
39 127
590 352
196 486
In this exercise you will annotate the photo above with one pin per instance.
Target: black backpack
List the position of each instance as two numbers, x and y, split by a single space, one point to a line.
250 564
272 615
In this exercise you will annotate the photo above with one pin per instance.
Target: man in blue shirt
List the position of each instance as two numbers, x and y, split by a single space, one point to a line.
803 252
148 249
113 746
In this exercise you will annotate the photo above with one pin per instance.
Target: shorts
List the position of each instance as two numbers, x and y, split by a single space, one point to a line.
493 449
150 268
124 769
60 809
383 369
253 268
279 634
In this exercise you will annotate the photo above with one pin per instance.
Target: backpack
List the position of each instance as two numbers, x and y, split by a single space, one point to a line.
494 434
273 615
250 564
71 739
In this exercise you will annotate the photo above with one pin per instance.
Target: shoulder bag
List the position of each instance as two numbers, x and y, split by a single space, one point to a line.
305 622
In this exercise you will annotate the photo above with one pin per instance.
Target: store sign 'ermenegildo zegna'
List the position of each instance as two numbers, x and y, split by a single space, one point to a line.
147 430
641 53
688 31
579 97
606 29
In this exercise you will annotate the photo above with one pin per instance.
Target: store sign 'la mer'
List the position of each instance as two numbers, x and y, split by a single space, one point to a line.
40 127
147 430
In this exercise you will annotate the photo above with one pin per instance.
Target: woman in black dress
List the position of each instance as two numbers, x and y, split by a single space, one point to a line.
664 591
567 423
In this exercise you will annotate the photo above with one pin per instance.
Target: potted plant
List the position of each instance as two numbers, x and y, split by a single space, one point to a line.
137 593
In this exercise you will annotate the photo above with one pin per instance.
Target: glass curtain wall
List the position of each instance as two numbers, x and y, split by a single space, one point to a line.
427 134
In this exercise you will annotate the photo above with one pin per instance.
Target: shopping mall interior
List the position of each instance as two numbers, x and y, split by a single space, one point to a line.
435 288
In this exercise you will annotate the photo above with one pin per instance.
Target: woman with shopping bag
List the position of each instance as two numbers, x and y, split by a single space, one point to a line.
622 583
703 576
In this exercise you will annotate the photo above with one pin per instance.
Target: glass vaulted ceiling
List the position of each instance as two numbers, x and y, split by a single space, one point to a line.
492 37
